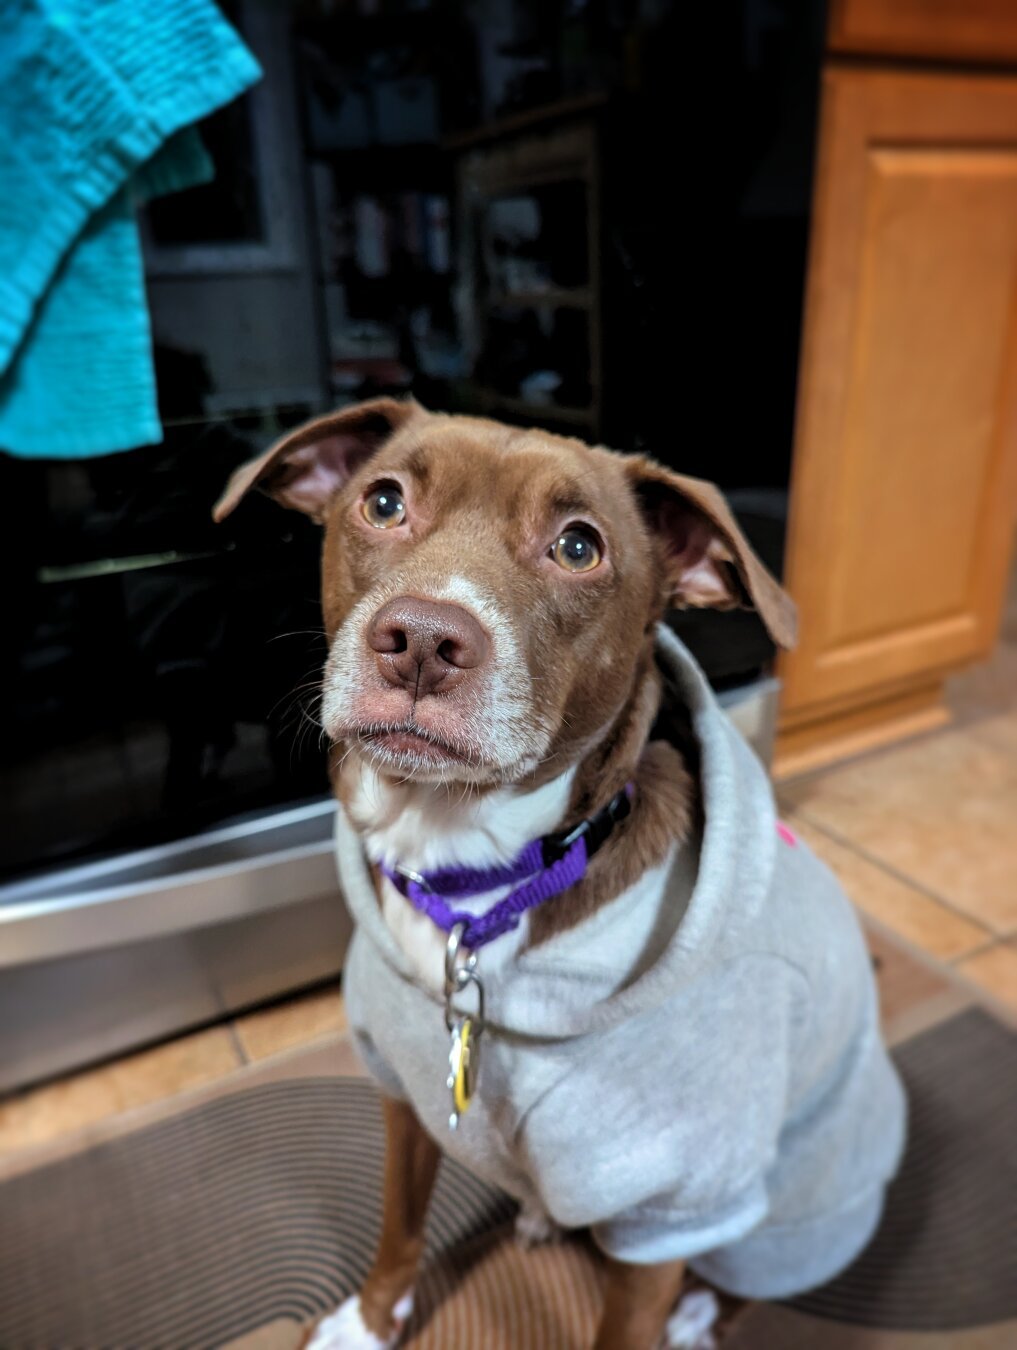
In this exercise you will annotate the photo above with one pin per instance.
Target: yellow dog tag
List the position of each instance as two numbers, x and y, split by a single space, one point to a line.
463 1056
462 1063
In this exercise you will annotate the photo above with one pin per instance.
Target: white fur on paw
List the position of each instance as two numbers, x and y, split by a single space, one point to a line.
690 1326
534 1227
345 1329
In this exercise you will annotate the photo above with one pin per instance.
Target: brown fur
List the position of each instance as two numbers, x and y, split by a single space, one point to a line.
663 809
637 1299
637 1303
411 1164
486 500
485 513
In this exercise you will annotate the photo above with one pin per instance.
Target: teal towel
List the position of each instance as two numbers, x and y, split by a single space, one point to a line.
92 94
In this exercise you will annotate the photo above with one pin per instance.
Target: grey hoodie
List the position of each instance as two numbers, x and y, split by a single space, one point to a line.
696 1073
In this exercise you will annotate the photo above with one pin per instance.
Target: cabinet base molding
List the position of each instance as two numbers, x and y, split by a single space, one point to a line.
805 745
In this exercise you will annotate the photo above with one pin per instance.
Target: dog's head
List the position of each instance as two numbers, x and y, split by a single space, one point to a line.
489 592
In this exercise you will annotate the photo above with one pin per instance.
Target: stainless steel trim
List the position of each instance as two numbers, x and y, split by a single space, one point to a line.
280 858
250 866
753 710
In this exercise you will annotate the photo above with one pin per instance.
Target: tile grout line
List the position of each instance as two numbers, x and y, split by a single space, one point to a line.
977 951
897 875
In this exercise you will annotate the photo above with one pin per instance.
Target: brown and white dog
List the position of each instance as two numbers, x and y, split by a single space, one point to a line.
490 597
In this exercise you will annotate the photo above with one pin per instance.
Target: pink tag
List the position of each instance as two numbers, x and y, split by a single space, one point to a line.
786 833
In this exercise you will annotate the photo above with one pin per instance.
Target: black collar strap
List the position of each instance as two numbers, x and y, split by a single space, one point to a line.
596 829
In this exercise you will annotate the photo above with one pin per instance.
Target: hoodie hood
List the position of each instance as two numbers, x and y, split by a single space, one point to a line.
603 971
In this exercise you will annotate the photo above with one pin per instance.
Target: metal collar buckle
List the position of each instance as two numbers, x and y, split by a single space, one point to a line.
596 829
458 975
409 874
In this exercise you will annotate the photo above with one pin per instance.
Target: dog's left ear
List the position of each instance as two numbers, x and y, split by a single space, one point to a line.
306 468
709 561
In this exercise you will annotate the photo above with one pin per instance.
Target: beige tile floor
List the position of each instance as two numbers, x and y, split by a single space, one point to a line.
40 1115
924 836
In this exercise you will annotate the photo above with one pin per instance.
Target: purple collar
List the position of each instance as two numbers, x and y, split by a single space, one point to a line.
545 868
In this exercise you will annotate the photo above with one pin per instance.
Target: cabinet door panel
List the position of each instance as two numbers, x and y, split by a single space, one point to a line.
903 487
979 30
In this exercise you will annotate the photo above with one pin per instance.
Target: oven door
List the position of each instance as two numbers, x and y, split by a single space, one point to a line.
108 955
165 856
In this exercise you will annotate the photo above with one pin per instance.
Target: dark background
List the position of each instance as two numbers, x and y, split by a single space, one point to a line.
159 673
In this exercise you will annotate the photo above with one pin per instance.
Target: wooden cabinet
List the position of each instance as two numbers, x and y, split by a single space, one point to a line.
972 30
904 490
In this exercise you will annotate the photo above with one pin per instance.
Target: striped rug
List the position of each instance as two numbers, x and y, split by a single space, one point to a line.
254 1209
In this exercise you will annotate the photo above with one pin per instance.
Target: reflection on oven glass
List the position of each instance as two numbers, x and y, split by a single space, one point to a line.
161 672
509 218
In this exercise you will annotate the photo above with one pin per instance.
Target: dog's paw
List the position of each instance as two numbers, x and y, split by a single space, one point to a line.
345 1329
535 1227
691 1325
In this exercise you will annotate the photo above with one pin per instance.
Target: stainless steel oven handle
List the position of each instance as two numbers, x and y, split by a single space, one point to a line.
81 911
41 930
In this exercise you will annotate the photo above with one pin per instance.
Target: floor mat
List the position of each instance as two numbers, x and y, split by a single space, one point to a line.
238 1219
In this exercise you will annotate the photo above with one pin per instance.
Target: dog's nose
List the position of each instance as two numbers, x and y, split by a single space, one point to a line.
426 646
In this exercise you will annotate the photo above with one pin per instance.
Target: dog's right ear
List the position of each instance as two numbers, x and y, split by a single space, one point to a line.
308 466
707 560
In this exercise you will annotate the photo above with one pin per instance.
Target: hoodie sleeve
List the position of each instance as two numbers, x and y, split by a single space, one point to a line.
660 1139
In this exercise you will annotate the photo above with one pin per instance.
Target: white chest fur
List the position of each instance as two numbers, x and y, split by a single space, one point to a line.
423 826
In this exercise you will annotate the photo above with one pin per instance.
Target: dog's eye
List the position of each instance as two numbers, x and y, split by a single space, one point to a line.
576 550
384 507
